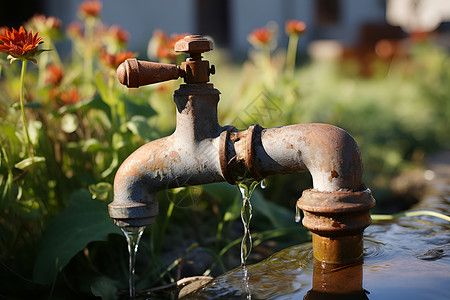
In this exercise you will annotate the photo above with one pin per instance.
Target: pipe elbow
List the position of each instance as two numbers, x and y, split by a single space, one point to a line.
135 185
161 164
328 153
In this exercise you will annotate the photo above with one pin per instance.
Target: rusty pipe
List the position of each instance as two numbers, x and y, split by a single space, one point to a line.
336 210
201 151
198 153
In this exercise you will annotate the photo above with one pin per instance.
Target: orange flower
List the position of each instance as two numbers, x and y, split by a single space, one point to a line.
54 75
114 60
260 36
3 30
295 27
118 33
20 44
75 29
46 23
90 8
69 97
49 27
161 46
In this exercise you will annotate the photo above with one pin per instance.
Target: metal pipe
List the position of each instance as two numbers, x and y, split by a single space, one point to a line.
200 151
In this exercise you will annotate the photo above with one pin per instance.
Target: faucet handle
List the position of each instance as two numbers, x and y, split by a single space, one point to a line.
194 45
135 73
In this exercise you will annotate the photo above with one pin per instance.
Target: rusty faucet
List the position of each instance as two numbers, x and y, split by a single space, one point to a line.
200 151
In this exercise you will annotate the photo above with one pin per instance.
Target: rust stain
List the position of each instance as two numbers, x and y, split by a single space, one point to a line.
174 156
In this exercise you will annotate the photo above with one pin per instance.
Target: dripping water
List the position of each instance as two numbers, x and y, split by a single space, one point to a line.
298 215
263 184
246 284
133 236
246 187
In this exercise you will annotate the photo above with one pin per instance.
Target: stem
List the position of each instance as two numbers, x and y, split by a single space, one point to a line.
291 54
89 49
268 71
22 107
113 103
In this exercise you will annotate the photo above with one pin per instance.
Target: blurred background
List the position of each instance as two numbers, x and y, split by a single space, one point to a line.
380 69
351 23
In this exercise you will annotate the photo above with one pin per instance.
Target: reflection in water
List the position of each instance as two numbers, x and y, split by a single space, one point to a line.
332 281
408 258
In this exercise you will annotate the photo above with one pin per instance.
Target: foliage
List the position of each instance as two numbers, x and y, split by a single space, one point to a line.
82 125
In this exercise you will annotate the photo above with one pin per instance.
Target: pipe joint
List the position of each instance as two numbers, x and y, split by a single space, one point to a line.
237 153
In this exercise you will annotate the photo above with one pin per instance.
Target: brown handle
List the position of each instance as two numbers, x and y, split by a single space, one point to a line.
135 73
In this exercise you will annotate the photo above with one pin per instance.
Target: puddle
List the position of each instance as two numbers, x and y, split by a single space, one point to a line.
406 258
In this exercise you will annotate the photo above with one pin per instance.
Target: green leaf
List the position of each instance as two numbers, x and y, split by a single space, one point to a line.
83 221
33 105
105 287
139 126
112 166
95 102
28 162
229 196
103 90
92 145
278 215
136 107
100 190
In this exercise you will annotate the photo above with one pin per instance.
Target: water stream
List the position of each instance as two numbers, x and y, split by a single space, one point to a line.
133 236
246 187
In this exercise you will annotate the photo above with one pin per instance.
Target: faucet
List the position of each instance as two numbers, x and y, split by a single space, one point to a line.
201 151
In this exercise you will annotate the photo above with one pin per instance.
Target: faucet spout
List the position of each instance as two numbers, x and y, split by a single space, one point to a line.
187 157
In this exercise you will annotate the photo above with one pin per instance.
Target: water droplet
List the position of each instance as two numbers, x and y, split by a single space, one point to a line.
263 184
298 215
133 236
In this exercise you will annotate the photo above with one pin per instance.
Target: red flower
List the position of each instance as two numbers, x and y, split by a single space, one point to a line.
90 8
69 97
114 60
118 33
260 36
48 26
75 29
20 44
162 46
54 75
295 27
49 23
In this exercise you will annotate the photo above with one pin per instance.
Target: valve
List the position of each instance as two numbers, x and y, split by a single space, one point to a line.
135 73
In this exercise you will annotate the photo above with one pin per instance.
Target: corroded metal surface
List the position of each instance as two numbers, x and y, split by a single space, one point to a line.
135 73
201 151
193 44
